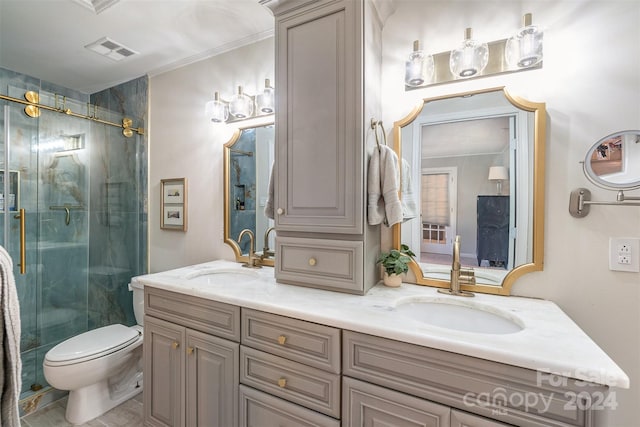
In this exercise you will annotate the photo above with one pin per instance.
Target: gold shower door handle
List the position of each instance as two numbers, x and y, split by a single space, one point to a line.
23 242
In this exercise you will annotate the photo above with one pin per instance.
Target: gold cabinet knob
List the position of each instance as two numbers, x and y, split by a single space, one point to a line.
312 261
189 350
282 382
280 211
282 339
175 345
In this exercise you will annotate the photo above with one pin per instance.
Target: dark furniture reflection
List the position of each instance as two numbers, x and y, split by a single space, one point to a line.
493 231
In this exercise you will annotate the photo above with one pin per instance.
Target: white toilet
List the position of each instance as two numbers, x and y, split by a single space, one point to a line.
101 368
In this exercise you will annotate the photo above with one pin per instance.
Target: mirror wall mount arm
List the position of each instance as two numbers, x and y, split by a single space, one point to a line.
580 202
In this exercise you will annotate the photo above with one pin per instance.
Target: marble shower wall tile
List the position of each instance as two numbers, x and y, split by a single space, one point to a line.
119 221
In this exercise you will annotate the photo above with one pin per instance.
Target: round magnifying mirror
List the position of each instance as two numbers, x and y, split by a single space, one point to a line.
614 161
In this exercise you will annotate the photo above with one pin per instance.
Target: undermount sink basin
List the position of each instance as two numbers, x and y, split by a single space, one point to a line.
459 315
222 276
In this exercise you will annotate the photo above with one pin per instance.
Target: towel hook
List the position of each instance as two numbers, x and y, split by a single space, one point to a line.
374 125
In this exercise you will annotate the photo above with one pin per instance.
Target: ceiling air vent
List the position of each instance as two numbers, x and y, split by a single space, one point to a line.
113 50
97 6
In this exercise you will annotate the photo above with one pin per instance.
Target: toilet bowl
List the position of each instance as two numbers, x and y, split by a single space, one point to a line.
101 368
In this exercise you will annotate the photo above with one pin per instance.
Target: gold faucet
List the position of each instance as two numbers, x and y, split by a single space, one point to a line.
253 261
458 274
266 252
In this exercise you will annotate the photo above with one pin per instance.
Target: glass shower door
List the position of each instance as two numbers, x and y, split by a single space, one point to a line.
44 172
18 188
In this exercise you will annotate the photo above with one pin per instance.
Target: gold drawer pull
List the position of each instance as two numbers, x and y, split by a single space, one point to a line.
282 339
312 261
282 382
175 345
189 350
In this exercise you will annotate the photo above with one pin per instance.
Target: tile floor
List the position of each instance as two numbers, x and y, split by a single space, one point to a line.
127 414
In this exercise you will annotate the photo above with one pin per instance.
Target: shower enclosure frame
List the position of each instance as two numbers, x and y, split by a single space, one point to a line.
96 187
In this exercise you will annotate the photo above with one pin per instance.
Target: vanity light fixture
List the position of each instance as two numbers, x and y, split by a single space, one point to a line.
470 59
217 110
266 99
241 106
419 67
498 174
524 48
474 59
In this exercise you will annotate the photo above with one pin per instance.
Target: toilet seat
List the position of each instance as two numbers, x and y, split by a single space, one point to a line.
92 345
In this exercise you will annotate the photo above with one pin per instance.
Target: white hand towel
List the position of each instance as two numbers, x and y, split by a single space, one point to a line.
375 204
383 201
408 197
268 207
11 364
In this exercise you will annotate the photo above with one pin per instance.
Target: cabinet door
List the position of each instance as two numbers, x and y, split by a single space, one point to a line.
319 142
463 419
164 384
367 405
212 379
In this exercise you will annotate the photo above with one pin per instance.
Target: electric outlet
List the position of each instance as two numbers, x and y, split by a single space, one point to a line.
624 254
624 249
624 259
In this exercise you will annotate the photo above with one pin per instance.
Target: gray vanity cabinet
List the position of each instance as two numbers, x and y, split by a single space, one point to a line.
479 393
324 105
289 370
191 376
212 364
319 126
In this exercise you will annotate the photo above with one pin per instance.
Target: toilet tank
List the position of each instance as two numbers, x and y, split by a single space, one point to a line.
138 300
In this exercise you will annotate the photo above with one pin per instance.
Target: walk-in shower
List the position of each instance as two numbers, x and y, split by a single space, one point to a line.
78 175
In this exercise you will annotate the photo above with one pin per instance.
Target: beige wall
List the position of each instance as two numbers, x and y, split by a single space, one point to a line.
184 143
590 83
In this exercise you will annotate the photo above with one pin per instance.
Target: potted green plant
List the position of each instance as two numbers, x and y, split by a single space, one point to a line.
395 264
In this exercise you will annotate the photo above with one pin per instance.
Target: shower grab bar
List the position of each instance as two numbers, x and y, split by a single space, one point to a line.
67 209
23 243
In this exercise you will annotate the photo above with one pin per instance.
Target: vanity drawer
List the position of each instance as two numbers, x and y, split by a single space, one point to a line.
310 387
320 263
502 392
305 342
216 318
370 405
258 409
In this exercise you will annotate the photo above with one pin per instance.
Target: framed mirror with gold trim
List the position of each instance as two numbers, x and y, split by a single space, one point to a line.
248 160
472 165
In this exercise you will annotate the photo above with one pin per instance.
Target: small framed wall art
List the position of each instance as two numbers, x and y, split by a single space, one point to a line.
173 204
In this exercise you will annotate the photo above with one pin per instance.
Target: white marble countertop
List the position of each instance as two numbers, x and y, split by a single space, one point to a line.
549 342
